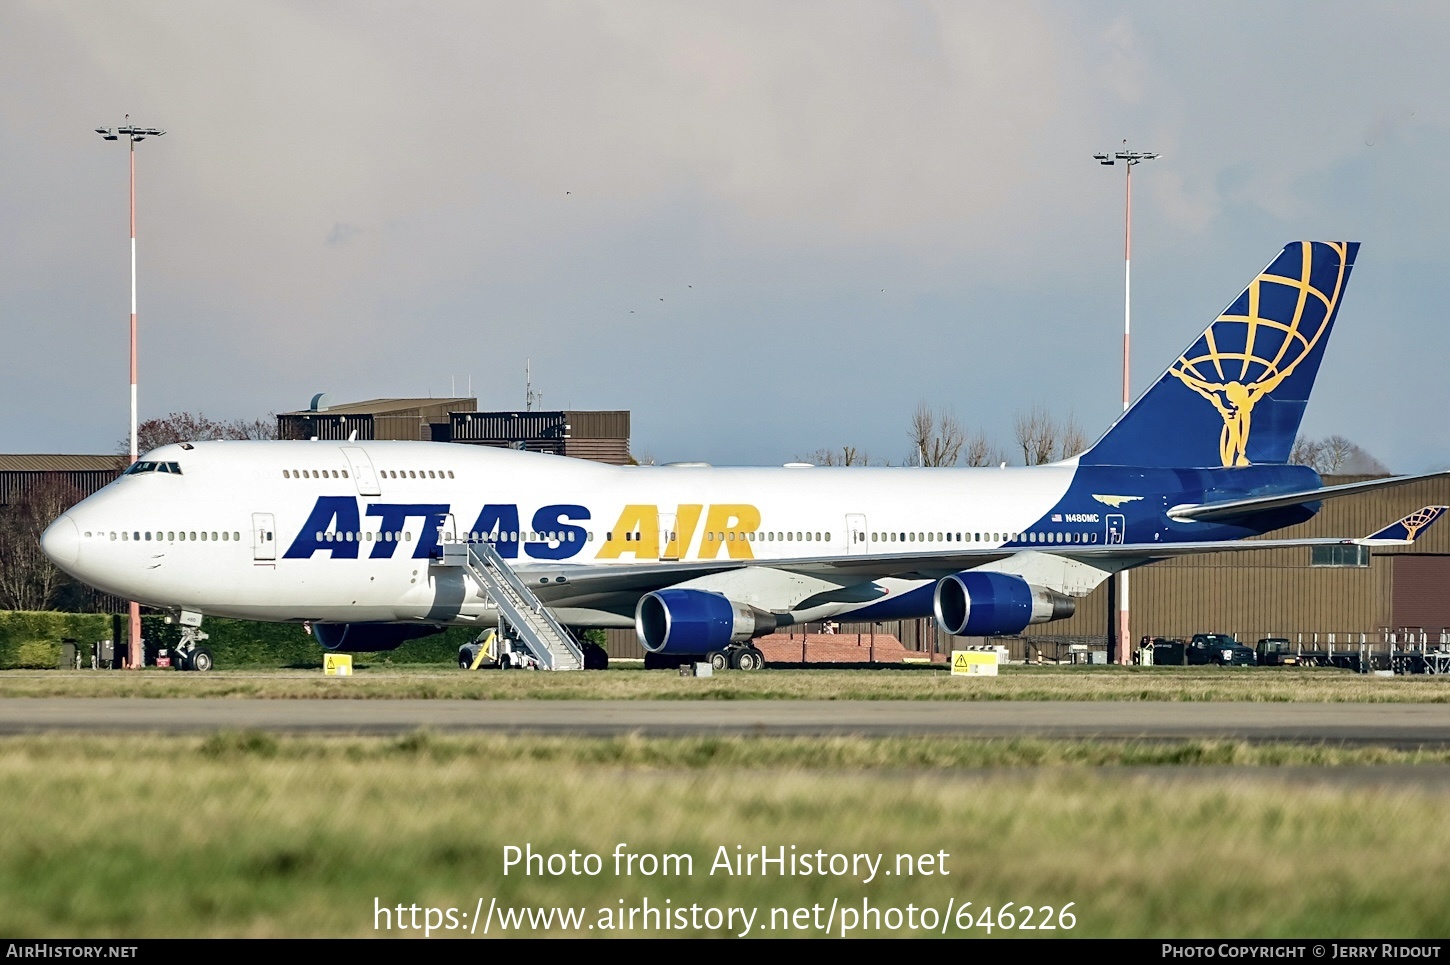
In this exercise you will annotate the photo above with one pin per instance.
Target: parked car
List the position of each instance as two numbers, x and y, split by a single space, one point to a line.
1219 648
1276 652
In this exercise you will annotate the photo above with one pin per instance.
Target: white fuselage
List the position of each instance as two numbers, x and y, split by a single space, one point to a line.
330 531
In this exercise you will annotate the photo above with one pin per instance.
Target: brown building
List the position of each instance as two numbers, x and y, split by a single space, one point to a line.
418 420
20 474
600 436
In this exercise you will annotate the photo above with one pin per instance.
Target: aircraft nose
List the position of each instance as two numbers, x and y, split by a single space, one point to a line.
61 540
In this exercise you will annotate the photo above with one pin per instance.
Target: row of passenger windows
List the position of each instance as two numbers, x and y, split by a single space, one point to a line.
404 536
170 535
342 473
983 537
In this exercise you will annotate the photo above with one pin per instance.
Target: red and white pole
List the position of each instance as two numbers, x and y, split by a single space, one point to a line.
1125 638
137 658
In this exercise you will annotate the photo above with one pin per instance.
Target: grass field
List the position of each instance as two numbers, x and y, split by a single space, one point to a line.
244 834
917 683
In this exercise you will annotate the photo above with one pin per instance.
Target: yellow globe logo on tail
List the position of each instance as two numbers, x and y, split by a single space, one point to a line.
1243 357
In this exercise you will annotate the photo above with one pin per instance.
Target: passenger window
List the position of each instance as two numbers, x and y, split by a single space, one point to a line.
450 474
286 474
407 536
344 474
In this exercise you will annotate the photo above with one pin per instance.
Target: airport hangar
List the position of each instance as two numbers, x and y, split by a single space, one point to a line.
1339 595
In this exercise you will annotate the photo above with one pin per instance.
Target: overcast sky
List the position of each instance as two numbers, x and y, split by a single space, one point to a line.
763 227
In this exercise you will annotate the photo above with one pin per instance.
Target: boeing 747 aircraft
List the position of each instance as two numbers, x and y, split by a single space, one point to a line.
376 543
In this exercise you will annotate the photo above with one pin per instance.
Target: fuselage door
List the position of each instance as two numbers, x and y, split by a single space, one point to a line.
856 537
264 537
362 471
669 538
1116 528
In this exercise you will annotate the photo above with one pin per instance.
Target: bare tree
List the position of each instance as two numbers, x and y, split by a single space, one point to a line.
28 580
1070 439
840 456
936 438
1335 455
1305 452
1043 439
981 451
1036 436
196 427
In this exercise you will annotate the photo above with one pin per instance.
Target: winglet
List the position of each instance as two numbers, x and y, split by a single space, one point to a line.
1407 530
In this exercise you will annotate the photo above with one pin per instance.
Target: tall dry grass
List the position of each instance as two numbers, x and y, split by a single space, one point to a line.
246 834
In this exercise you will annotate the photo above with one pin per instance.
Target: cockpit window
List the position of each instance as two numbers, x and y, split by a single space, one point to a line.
148 466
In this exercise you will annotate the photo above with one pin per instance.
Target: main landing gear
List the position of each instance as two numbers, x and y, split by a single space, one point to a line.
734 657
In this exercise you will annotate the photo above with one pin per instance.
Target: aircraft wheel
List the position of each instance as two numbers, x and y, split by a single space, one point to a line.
751 659
719 660
200 659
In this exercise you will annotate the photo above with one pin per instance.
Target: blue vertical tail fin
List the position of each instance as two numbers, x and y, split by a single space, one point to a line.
1236 396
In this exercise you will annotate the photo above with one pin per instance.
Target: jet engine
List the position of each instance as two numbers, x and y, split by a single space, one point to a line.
977 604
369 637
696 621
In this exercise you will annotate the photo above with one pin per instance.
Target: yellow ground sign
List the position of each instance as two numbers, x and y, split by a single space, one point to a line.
337 664
974 663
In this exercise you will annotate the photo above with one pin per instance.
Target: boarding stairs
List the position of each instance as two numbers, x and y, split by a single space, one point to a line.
520 608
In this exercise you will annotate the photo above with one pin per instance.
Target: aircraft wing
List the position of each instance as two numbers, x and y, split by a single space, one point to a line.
1234 508
555 583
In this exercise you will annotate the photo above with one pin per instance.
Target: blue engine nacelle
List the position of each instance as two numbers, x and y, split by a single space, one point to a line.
369 637
977 604
696 621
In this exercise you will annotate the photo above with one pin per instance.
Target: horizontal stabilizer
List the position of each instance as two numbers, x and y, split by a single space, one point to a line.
1236 508
1406 530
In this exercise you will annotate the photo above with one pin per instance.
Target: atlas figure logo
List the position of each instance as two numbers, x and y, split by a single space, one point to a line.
1253 347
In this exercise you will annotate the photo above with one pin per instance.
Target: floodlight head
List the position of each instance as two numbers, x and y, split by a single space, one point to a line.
1106 159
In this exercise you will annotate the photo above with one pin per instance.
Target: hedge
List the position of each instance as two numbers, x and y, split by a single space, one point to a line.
33 639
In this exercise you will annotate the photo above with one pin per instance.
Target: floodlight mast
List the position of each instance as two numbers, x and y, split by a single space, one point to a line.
1129 159
132 134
